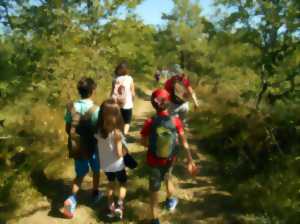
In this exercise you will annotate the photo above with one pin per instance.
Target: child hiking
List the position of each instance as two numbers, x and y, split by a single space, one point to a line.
81 119
109 137
124 92
161 135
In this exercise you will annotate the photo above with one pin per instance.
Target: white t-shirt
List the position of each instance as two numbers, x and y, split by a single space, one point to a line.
126 81
109 160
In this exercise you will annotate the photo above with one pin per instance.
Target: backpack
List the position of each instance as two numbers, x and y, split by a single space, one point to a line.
81 141
163 137
179 94
119 93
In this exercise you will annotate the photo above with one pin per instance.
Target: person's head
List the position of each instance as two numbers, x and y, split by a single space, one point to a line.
176 70
160 100
86 87
110 117
122 69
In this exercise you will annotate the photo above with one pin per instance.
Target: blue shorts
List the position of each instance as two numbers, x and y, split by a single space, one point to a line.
82 166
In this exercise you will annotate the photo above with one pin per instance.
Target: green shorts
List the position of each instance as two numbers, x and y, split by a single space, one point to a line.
157 175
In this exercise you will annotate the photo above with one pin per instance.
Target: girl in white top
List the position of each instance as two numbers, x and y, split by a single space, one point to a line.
123 90
109 137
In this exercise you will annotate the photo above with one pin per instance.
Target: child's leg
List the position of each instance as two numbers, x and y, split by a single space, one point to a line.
110 187
95 166
171 202
122 193
126 128
169 187
154 187
110 193
154 204
122 178
127 116
76 184
81 169
169 184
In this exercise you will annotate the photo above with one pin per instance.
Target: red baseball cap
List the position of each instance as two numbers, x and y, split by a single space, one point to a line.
160 96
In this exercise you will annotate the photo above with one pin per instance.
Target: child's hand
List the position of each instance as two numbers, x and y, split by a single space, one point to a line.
192 168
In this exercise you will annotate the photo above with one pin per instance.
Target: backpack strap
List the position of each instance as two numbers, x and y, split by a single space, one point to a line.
76 116
90 112
157 119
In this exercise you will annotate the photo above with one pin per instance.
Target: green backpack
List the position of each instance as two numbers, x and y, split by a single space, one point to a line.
163 137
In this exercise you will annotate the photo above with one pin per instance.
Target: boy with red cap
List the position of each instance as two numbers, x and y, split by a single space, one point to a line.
161 135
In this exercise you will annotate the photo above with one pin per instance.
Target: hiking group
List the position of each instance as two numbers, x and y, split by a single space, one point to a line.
97 139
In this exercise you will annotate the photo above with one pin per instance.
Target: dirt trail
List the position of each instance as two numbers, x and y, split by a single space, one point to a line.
200 200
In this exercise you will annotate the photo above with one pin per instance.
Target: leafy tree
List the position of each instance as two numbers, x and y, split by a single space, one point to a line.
271 27
184 31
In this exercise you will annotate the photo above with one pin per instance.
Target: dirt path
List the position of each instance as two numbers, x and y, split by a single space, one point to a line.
200 199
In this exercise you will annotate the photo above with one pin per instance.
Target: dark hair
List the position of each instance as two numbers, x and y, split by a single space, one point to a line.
122 65
109 111
86 86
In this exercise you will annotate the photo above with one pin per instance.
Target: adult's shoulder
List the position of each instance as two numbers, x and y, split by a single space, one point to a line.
130 77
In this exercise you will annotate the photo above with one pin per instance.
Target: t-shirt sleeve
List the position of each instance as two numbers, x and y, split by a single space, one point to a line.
95 116
168 85
186 82
179 125
145 132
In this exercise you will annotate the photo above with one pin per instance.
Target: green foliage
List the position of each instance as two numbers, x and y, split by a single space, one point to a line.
250 57
255 154
184 34
272 27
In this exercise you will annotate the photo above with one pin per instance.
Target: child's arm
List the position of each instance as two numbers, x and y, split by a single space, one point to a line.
112 87
132 87
118 143
124 145
194 97
185 145
192 168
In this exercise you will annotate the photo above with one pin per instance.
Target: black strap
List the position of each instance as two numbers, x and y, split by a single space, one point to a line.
76 115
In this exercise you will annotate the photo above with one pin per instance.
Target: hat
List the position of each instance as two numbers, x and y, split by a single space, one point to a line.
176 69
160 96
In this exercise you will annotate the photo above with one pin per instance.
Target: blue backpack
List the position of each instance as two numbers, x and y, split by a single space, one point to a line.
163 137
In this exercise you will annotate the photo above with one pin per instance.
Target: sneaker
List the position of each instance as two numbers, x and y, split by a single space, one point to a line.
111 209
119 211
96 196
171 203
69 207
155 221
